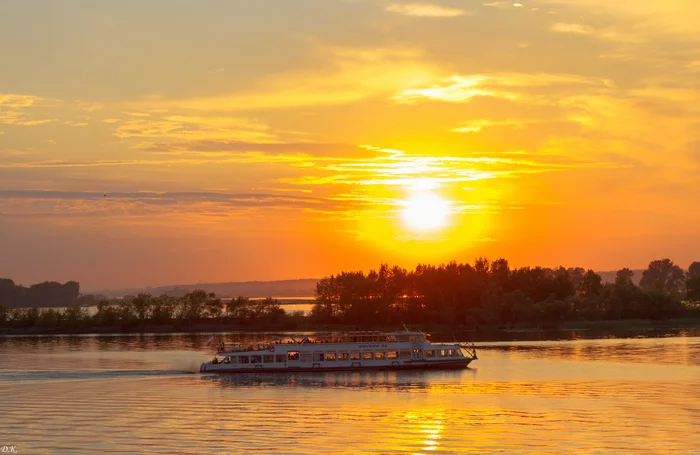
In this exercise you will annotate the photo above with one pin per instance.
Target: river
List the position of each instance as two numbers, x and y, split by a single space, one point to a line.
140 394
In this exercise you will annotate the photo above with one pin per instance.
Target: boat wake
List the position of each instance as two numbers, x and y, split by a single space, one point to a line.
85 375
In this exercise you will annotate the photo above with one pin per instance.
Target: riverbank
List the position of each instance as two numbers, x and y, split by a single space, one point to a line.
626 325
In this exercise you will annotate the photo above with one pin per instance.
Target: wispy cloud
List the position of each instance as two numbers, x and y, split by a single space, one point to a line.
309 149
90 107
122 205
457 89
12 113
425 10
503 4
474 126
661 17
416 171
348 75
194 127
607 34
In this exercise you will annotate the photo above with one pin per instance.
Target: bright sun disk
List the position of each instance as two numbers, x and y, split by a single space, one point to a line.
425 211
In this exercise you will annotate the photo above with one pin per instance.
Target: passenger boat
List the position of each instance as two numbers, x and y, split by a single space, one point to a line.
339 352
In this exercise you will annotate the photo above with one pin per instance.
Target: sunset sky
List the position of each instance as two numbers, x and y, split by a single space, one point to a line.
171 141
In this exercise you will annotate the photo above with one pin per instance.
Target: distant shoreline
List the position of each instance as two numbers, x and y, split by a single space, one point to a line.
228 327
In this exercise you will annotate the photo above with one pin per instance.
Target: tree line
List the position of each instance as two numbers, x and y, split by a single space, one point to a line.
485 293
145 311
491 293
47 294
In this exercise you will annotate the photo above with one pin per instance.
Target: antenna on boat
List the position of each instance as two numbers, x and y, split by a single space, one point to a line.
404 326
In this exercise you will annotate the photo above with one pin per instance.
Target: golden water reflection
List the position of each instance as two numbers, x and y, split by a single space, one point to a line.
117 395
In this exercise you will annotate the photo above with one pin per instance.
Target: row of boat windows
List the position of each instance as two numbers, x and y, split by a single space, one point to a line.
340 356
368 339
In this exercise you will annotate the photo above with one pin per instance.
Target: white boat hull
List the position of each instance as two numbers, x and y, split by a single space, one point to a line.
353 366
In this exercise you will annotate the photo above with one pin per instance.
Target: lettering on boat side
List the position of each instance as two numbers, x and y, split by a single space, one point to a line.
365 346
9 449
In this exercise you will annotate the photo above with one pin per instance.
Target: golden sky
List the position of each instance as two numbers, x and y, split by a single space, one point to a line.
160 142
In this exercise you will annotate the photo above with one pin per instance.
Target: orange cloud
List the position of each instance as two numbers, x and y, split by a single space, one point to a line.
603 34
11 110
425 10
349 75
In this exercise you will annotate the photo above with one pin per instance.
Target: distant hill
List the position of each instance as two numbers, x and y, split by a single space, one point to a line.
253 289
609 277
256 289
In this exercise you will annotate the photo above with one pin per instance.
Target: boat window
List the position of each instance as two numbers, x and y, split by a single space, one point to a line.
306 357
404 338
391 339
343 356
355 355
330 357
453 353
318 356
430 353
405 355
244 359
380 355
227 360
392 355
443 352
233 360
293 355
268 359
280 358
255 359
367 355
414 338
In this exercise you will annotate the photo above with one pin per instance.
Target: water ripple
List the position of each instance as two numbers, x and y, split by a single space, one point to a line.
117 397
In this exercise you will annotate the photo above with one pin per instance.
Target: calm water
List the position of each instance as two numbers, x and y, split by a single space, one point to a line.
140 395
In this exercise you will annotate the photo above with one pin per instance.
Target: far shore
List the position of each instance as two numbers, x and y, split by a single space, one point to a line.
623 325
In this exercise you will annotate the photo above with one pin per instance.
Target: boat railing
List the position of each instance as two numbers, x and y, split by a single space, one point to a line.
470 348
240 347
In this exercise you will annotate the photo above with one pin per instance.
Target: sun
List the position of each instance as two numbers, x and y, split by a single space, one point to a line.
425 212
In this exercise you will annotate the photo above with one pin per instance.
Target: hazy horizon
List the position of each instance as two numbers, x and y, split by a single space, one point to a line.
607 275
156 143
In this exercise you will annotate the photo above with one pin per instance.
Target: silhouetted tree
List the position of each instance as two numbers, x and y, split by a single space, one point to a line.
266 308
50 319
74 316
624 277
107 314
663 276
9 293
142 305
163 308
500 274
213 308
591 284
238 308
694 269
127 317
693 288
192 305
4 314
